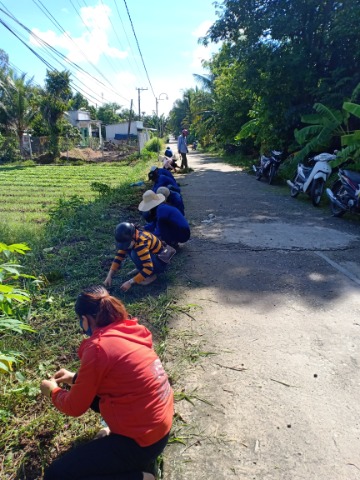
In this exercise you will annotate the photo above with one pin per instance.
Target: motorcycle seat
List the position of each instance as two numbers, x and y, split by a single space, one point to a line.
306 169
354 176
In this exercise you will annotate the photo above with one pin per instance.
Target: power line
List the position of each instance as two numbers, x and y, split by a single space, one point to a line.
90 32
126 35
43 60
54 50
137 43
53 20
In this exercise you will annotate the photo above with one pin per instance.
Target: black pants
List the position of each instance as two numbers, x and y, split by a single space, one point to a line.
114 457
184 163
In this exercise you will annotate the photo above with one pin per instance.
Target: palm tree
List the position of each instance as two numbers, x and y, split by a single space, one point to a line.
17 105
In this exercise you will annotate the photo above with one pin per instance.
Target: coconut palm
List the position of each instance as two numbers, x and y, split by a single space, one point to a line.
18 106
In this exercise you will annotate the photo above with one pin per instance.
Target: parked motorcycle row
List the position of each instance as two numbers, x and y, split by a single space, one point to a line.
344 195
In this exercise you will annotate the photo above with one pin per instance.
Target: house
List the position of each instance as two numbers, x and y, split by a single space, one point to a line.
88 128
120 131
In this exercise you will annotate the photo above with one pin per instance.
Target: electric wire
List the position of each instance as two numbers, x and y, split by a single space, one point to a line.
53 20
137 43
118 38
50 66
56 52
90 32
126 35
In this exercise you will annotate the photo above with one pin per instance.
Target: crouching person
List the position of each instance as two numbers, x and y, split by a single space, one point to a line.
147 252
165 221
121 376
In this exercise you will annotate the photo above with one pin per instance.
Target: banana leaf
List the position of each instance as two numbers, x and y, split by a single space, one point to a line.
353 108
248 129
335 117
351 140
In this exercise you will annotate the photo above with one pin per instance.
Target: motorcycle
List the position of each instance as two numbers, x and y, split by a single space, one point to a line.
268 166
194 145
312 179
344 195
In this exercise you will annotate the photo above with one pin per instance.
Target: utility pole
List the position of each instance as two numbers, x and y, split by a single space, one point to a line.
129 124
140 90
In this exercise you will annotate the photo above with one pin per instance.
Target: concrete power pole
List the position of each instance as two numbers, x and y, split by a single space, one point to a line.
140 90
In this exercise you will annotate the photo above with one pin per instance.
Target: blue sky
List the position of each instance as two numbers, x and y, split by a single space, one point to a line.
99 39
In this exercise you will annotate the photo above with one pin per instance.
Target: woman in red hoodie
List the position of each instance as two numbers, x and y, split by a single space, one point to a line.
120 376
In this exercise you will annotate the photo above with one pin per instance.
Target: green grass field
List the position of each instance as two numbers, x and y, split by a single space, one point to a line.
27 193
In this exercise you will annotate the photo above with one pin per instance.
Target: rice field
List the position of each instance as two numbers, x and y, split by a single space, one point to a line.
27 193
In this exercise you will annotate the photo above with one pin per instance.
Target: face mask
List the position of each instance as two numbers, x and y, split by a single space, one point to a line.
87 332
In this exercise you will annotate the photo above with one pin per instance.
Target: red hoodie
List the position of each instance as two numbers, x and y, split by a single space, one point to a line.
119 365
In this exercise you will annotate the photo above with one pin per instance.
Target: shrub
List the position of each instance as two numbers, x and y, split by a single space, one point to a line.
153 145
9 149
14 301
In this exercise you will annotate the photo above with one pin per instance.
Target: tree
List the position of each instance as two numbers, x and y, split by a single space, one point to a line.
56 97
107 113
78 101
287 55
18 105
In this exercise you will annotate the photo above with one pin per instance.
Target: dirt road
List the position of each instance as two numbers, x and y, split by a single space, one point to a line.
269 355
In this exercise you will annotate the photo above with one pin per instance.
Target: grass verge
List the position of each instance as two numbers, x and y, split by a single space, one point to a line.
72 250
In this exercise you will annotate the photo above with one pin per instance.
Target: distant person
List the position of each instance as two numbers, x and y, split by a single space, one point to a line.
172 198
143 248
165 221
159 171
183 148
121 377
169 162
168 152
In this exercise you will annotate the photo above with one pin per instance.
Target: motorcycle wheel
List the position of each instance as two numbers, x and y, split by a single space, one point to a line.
272 173
258 174
337 189
317 189
294 192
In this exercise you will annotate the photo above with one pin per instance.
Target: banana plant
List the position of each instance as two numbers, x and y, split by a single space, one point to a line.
351 141
325 124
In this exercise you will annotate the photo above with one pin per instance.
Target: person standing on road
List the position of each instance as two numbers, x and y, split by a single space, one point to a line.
183 148
121 377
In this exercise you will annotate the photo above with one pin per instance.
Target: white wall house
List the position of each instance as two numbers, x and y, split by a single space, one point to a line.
82 120
119 131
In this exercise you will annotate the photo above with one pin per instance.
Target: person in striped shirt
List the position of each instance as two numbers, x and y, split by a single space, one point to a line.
143 249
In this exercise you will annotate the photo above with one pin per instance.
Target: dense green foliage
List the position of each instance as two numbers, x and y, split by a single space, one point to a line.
276 60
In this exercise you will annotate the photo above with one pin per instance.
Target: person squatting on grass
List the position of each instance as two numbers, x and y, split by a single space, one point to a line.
162 178
121 377
147 252
165 221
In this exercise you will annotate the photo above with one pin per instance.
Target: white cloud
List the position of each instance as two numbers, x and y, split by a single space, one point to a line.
202 29
91 45
201 52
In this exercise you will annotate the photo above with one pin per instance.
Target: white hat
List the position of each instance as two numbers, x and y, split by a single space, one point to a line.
150 200
153 168
164 191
